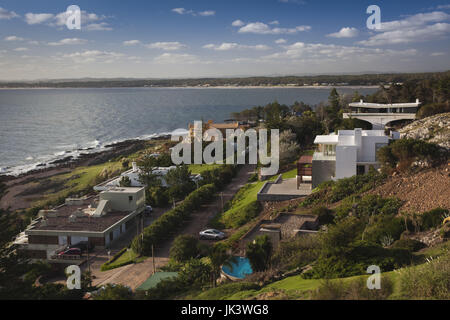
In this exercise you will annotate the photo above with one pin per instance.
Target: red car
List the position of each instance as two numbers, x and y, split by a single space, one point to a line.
70 252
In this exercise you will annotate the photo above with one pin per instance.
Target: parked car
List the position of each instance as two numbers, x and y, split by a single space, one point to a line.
212 234
83 246
70 252
148 209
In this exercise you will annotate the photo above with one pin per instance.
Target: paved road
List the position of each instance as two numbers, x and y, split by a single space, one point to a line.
135 274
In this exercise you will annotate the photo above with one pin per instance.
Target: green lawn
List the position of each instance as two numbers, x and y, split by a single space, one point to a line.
290 174
127 257
199 168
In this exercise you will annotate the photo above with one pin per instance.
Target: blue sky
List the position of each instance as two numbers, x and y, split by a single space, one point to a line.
167 39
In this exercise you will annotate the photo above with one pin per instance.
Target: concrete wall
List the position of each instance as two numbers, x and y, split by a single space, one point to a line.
124 200
322 170
346 157
367 151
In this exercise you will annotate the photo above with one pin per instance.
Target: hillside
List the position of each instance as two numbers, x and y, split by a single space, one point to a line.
434 129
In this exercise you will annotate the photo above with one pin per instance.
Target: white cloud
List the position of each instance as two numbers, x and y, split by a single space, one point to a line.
169 46
89 21
207 13
102 26
37 18
262 28
402 36
237 23
443 7
275 22
226 46
68 41
13 38
7 15
21 49
131 42
280 41
94 56
171 58
346 32
438 54
319 51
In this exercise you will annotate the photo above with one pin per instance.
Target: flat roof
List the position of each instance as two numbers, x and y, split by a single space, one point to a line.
84 222
329 139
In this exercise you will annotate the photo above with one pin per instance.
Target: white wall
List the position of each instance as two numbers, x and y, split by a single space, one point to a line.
346 157
367 150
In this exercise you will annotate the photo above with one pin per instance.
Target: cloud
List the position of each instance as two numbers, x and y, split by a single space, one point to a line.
403 36
94 56
68 41
346 32
168 46
206 13
13 38
7 15
415 28
37 18
319 51
262 28
275 22
293 1
280 41
438 54
131 42
237 23
443 7
226 46
21 49
89 21
171 58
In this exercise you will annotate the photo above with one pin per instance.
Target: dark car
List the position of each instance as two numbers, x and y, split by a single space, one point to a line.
70 252
84 246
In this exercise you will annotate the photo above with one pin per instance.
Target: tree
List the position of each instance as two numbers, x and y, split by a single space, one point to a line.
125 181
184 247
259 252
179 181
218 257
114 292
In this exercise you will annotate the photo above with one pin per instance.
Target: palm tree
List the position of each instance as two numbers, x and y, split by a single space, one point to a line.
219 256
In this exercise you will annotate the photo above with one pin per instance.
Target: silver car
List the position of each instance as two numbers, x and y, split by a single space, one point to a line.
212 234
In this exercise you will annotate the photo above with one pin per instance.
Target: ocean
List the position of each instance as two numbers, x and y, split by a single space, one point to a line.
38 126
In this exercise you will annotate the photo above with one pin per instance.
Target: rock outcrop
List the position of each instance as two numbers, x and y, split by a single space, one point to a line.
434 129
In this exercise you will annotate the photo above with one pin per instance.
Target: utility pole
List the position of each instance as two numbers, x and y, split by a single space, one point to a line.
221 198
153 258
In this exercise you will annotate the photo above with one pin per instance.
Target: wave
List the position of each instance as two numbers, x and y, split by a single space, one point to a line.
74 152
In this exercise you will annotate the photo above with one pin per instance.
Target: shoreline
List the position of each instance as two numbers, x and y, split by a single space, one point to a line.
113 150
203 87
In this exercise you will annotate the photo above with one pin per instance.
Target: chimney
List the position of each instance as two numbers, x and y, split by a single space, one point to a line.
361 101
417 101
134 165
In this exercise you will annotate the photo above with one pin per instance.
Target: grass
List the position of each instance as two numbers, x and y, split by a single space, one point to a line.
199 168
79 180
290 174
127 257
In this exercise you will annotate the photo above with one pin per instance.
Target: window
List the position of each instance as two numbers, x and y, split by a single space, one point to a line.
377 147
130 198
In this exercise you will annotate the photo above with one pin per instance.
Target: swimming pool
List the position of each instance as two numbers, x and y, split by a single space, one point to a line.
240 267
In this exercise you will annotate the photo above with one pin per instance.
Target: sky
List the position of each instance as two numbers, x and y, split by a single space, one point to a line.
211 38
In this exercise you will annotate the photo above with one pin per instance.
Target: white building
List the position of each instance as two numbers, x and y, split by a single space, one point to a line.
379 115
133 175
347 153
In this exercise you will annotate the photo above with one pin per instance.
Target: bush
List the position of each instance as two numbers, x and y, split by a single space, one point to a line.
114 292
295 253
384 226
427 281
409 244
259 252
228 289
325 215
433 218
432 109
184 247
172 219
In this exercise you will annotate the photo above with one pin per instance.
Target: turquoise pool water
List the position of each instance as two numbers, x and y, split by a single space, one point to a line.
239 268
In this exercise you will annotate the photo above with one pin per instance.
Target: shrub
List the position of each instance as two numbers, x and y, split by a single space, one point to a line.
427 281
184 247
409 244
228 289
432 109
384 226
325 215
114 292
433 218
296 252
259 252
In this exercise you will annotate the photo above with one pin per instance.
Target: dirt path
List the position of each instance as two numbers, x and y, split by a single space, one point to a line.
135 274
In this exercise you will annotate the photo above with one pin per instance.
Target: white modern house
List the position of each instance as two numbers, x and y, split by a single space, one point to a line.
133 175
347 153
379 115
